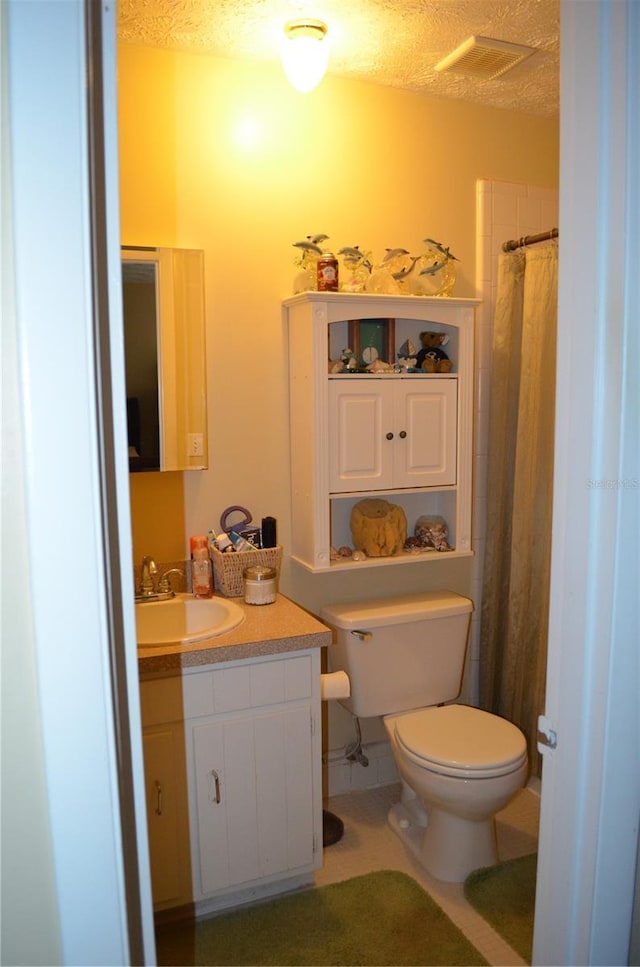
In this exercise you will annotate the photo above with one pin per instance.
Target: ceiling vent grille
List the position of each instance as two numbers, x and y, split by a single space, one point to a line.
484 57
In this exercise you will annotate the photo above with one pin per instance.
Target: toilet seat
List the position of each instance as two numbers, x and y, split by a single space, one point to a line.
460 741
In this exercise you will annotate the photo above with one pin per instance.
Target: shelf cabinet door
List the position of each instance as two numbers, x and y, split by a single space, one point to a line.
425 422
391 434
254 796
360 416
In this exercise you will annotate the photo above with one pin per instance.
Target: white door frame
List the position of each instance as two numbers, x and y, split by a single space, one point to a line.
76 548
591 781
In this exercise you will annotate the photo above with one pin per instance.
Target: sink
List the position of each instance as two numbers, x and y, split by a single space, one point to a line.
185 619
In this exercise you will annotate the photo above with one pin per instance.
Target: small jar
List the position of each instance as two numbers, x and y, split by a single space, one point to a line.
260 584
327 272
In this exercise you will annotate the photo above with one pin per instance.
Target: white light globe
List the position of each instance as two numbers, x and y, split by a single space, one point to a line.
305 54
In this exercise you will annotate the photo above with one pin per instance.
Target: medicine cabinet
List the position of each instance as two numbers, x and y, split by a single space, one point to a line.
404 437
165 359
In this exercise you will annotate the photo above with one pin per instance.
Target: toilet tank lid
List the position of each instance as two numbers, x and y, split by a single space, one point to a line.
397 610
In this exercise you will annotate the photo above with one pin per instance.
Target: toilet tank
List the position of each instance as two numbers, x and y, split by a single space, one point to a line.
400 653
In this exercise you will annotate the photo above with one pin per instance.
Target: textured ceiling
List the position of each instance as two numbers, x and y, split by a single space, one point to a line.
396 43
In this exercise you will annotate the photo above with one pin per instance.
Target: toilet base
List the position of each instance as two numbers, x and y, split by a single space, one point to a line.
450 847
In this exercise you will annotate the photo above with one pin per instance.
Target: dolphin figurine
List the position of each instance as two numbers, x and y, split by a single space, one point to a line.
392 252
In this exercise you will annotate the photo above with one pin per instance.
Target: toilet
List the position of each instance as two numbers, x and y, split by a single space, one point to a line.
459 765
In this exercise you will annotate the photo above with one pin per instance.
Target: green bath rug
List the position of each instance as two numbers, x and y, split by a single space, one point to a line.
382 918
505 896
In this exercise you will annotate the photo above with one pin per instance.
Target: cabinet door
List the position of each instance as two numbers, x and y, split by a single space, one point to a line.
391 434
360 417
165 784
425 432
254 796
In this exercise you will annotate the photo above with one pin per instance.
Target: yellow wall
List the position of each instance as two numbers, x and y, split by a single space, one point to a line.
225 156
157 516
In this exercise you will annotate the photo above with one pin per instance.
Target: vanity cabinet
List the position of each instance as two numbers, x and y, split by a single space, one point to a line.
254 797
165 768
404 437
167 814
250 734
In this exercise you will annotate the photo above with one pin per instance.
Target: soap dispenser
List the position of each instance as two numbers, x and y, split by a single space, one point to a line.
201 573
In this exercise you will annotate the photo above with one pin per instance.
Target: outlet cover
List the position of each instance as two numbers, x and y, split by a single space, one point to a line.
195 445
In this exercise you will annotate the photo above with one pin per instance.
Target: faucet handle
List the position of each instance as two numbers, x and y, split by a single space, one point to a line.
164 584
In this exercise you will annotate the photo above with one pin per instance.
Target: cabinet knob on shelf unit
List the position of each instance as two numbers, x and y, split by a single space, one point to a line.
403 434
389 436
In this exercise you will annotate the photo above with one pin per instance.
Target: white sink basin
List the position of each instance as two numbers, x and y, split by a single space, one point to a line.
185 619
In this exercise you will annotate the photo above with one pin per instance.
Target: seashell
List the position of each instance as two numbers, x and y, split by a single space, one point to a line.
358 556
432 532
412 544
333 554
406 349
344 551
379 366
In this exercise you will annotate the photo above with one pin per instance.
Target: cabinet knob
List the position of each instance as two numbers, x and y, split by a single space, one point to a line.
403 434
389 436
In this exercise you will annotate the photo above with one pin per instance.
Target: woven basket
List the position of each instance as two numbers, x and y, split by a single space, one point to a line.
229 568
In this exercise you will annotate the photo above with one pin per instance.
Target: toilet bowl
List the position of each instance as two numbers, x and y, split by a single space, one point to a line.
459 765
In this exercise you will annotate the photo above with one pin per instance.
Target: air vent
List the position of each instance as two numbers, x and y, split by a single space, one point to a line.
484 57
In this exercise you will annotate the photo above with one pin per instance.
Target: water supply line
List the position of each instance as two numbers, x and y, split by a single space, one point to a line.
353 752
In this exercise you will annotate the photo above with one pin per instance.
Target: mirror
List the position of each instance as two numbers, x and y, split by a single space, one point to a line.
165 358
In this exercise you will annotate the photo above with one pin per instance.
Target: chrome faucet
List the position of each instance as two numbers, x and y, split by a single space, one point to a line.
147 573
148 590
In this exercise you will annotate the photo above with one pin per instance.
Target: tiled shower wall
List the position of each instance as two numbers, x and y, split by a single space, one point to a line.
503 211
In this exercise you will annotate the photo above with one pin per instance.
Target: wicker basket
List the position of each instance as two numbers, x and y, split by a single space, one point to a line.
229 568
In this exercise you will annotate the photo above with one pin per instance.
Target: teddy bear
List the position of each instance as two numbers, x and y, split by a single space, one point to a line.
431 358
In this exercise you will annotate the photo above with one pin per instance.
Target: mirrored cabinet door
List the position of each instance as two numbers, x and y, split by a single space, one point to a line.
165 356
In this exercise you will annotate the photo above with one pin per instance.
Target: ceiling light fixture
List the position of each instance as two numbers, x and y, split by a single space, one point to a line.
305 53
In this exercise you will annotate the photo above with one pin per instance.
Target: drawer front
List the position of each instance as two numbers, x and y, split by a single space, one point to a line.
161 701
247 685
232 688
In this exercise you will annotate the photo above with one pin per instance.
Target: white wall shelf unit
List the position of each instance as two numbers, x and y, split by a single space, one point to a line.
404 437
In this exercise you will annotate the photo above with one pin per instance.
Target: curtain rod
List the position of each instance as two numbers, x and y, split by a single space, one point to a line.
515 243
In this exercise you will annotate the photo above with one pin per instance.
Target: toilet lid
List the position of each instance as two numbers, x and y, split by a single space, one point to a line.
459 740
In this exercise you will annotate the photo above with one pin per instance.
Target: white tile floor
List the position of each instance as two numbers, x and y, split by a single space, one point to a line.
370 844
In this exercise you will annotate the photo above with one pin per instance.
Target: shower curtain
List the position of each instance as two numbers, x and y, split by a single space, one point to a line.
515 599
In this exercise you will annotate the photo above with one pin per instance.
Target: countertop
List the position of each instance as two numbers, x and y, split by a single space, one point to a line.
268 629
